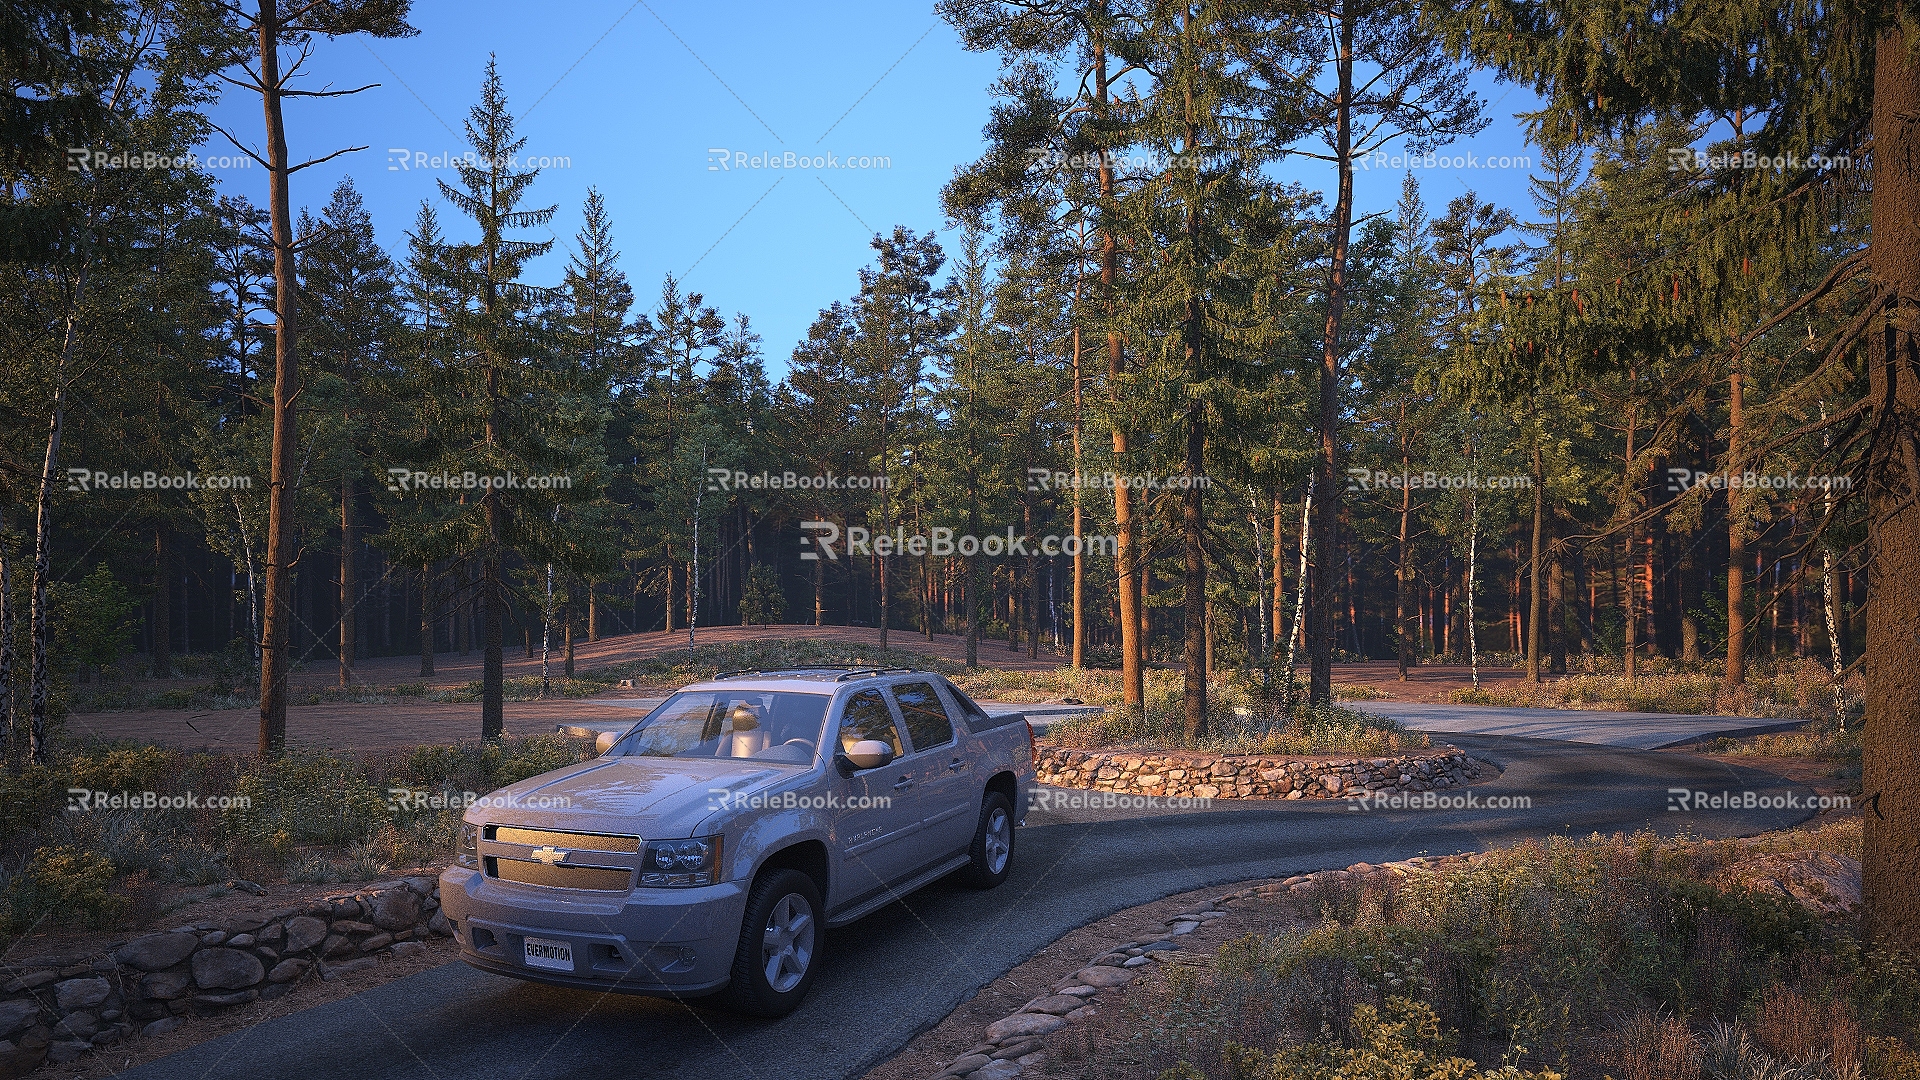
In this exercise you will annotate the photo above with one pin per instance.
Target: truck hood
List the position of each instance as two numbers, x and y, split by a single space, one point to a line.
653 797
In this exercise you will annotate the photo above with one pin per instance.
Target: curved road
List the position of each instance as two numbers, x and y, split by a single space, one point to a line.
902 970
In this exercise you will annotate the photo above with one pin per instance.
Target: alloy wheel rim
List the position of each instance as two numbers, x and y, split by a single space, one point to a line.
787 942
999 842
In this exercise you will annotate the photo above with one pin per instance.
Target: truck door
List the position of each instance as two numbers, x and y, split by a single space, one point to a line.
876 824
943 774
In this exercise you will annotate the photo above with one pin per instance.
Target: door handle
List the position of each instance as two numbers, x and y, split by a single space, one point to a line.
903 783
956 765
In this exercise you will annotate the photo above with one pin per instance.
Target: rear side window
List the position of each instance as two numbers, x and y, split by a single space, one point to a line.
926 716
976 717
866 716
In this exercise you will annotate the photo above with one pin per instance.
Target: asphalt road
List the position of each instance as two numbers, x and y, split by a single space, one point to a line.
1631 730
903 969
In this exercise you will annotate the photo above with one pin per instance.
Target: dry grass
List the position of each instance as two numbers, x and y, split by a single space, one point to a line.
1611 956
1788 689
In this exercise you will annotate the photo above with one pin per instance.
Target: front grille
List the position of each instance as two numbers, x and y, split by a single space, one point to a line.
570 841
526 872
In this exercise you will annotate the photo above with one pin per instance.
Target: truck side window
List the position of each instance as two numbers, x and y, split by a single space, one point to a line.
866 716
927 723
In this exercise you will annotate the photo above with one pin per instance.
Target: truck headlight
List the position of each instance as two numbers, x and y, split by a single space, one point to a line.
467 851
681 863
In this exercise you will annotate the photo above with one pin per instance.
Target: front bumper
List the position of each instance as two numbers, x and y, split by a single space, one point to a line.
674 942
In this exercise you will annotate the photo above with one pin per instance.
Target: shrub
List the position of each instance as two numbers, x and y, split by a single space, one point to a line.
307 797
1240 723
66 885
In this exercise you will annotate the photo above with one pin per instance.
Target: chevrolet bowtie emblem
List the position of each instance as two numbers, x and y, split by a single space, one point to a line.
550 855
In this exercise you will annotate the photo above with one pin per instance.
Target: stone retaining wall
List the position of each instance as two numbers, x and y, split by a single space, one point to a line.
55 1008
1252 777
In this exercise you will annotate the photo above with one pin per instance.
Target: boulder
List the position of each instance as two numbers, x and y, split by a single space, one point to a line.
226 969
18 1016
1023 1024
158 950
304 932
396 909
288 970
166 985
81 993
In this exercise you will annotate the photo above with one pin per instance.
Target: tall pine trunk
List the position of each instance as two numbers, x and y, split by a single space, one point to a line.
162 654
349 582
1536 595
1736 538
1327 461
1891 749
1132 643
426 618
275 655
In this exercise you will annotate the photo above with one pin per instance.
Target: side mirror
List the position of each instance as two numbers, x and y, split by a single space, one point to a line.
865 754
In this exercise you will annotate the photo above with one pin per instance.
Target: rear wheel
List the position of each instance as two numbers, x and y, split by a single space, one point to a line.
992 852
779 951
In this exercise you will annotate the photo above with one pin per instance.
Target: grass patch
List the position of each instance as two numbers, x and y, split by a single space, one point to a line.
307 816
1624 956
1241 719
1793 689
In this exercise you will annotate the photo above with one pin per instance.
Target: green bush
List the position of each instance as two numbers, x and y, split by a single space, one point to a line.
307 798
65 885
1400 1040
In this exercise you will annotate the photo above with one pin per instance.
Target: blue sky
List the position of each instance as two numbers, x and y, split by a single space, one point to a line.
636 97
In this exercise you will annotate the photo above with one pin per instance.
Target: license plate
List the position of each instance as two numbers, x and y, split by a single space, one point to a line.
552 955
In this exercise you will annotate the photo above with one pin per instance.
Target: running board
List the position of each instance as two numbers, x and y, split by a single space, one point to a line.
888 896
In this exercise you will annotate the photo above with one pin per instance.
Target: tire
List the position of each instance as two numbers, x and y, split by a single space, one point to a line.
783 914
992 851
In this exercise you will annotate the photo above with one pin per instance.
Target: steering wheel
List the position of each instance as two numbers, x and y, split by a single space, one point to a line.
808 743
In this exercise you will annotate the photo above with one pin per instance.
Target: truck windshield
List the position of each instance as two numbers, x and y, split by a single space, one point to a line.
778 728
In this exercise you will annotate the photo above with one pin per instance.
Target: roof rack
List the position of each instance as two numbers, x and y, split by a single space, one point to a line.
858 673
848 671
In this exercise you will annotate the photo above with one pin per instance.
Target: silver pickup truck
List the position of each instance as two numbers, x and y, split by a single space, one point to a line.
708 849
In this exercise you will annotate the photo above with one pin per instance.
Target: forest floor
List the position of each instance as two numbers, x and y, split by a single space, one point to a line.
353 724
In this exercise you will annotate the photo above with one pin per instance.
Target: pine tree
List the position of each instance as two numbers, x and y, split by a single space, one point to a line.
508 403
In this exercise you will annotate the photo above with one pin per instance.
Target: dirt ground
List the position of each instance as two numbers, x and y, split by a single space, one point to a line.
349 725
344 725
1429 683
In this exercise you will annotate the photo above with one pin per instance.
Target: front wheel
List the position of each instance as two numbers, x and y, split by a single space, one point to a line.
779 951
991 857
